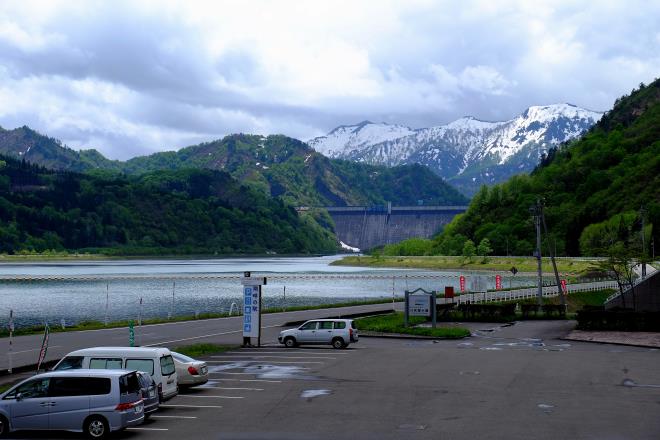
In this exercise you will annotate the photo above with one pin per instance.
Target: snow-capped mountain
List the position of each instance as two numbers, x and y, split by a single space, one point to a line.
467 152
346 138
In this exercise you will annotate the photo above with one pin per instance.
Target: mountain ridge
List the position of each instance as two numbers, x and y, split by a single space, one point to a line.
482 149
597 191
276 165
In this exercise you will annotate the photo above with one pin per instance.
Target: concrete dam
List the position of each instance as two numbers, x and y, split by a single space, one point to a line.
367 227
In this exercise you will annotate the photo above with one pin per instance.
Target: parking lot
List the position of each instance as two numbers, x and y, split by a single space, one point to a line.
515 382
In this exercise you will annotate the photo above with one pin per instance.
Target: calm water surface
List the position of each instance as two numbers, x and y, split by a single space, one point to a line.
292 282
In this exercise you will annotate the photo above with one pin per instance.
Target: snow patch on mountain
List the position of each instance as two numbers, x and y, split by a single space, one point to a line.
346 138
467 145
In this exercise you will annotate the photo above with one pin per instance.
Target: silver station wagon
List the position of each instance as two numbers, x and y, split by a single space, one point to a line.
95 402
336 332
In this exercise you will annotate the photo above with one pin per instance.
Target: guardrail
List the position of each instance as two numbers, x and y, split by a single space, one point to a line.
278 276
528 293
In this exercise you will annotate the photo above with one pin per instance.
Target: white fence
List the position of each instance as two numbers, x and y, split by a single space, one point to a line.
528 293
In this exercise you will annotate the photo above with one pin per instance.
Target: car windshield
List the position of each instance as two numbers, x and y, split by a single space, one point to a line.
182 357
70 363
167 365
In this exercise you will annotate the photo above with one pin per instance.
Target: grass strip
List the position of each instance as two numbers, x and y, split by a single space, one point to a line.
393 323
568 266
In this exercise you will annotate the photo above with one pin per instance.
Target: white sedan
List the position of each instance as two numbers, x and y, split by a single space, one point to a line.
190 372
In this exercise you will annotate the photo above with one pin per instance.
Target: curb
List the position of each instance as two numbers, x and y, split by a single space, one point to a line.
606 342
45 366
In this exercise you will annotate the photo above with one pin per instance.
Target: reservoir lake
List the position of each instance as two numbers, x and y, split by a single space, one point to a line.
73 291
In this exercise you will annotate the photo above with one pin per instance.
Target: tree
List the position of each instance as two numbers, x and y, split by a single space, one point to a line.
620 264
469 251
484 250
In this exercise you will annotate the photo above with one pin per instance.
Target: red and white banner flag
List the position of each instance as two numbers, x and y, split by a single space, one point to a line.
44 347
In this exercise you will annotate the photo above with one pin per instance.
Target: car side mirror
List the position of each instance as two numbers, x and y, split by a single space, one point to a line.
19 396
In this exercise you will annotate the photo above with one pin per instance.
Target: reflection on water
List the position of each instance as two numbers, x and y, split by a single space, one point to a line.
34 302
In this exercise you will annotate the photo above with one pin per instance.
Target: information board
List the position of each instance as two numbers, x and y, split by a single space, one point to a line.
419 305
251 315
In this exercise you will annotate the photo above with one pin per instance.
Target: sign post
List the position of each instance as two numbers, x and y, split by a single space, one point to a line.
498 282
131 334
252 308
514 271
10 353
420 304
564 289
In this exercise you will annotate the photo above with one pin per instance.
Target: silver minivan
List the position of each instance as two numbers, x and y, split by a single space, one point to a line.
95 402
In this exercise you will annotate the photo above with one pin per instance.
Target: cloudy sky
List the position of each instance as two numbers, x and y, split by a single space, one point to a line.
133 77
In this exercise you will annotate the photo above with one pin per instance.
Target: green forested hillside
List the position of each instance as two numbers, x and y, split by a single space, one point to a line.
275 165
183 211
25 143
598 182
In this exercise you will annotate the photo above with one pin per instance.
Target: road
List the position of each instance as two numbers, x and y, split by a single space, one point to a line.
221 331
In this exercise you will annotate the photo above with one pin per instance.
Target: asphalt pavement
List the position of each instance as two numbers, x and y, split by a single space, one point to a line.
504 382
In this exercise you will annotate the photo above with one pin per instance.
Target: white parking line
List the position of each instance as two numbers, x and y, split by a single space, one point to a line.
289 351
211 397
189 406
238 388
265 362
276 357
173 417
147 429
252 380
222 372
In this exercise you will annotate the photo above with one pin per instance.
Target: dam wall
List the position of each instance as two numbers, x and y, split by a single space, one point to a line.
368 227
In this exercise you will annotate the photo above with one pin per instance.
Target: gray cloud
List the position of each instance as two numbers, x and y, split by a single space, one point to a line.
132 78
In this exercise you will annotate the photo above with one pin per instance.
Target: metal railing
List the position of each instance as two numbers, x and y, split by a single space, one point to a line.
528 293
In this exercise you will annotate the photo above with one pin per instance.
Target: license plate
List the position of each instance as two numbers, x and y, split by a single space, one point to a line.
152 393
139 409
204 370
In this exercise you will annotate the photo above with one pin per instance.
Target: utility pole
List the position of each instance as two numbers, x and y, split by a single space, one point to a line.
642 214
535 211
552 257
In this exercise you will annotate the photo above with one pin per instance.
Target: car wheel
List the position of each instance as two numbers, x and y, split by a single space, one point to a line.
290 342
4 427
338 343
96 427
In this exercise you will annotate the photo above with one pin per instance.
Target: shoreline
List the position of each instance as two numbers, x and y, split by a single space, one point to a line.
526 266
36 258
